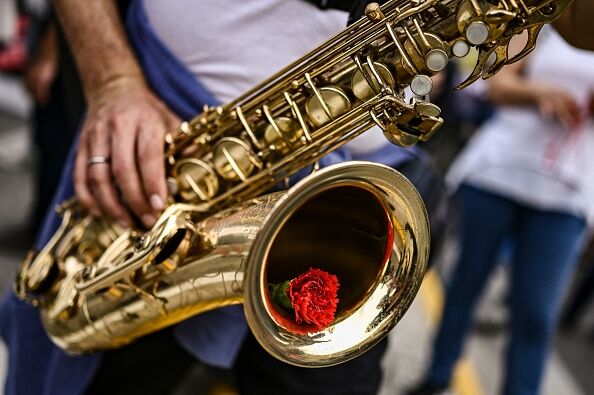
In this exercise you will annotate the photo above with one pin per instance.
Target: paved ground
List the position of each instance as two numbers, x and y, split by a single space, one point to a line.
16 183
570 368
481 369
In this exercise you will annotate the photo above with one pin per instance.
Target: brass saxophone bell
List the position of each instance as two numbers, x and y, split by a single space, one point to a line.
363 222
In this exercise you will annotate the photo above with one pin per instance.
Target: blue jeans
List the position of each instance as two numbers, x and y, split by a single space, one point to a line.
546 250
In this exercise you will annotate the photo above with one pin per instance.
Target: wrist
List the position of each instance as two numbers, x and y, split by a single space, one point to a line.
114 84
537 92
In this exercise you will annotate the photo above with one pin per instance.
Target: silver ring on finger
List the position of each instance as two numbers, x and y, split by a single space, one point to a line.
97 160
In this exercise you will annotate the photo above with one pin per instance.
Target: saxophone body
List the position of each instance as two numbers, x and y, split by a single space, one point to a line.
221 240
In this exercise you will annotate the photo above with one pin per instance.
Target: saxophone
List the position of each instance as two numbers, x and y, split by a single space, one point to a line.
221 239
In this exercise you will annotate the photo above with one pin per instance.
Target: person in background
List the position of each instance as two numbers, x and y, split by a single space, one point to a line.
52 81
527 174
13 29
575 25
443 145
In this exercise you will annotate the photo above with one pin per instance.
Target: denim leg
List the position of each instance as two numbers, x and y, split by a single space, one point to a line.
580 300
547 250
486 220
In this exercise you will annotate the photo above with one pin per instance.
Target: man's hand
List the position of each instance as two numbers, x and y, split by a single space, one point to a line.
558 104
511 87
127 124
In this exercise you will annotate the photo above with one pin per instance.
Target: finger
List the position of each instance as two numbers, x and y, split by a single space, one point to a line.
564 113
124 168
106 194
172 121
150 155
574 110
100 178
546 110
81 187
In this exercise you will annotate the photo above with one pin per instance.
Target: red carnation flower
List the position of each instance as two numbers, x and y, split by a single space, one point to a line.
312 296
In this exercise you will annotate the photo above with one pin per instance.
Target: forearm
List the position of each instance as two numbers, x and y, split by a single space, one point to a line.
512 89
576 25
101 50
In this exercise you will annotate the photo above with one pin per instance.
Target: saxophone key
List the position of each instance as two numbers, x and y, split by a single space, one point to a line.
364 84
333 98
421 85
373 12
283 135
39 273
477 32
234 160
499 16
65 301
195 180
402 136
436 60
172 186
427 52
485 22
460 48
426 108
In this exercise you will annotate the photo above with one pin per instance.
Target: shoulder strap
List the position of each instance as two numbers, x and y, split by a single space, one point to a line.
356 8
344 5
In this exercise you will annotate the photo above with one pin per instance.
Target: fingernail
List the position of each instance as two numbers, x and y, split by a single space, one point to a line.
95 212
157 202
148 219
123 223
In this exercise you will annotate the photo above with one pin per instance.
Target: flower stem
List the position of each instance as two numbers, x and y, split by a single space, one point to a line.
279 295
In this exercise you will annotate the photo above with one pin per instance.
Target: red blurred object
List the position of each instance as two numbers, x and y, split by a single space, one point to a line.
14 54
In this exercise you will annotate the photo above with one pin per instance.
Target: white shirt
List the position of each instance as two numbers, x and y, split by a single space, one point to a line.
241 43
533 160
232 45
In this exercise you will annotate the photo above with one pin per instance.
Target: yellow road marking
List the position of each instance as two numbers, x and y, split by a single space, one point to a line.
465 380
